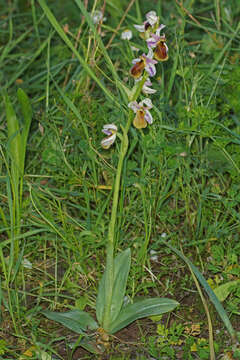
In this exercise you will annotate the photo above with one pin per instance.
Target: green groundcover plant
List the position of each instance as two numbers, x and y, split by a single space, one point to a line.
111 312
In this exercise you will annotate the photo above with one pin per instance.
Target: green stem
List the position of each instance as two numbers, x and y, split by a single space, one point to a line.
109 271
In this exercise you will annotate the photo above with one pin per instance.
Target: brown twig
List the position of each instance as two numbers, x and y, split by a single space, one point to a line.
194 19
120 23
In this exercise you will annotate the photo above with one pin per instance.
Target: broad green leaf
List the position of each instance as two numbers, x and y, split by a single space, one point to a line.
27 116
141 309
88 343
224 290
218 306
121 270
75 320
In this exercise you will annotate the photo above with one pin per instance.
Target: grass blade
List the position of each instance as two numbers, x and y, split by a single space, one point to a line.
218 306
14 138
64 37
27 116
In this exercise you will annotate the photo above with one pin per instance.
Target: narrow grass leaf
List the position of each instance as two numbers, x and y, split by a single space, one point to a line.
44 215
17 264
13 132
141 309
27 117
68 42
22 236
101 45
25 66
218 306
76 320
73 108
223 52
14 43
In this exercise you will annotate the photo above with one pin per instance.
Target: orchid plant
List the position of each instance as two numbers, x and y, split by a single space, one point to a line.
112 312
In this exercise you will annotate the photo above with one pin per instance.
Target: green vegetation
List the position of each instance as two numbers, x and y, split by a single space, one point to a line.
63 76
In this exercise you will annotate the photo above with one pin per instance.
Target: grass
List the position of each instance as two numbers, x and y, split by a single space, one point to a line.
181 176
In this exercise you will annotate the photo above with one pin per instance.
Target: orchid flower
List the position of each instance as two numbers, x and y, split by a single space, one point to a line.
149 25
111 131
146 89
97 17
159 44
152 17
143 115
126 35
144 62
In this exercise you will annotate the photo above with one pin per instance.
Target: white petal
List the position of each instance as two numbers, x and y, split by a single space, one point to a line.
138 79
140 28
108 141
135 61
110 127
97 16
134 106
148 117
147 90
147 102
134 48
150 53
126 35
159 29
152 17
151 69
151 42
148 82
